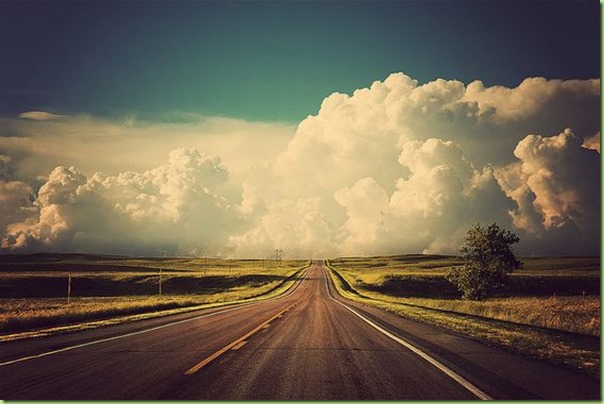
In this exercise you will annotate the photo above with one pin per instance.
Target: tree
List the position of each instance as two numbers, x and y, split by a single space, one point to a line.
488 260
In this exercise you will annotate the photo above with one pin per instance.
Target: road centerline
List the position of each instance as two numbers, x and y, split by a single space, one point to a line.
238 306
234 344
239 345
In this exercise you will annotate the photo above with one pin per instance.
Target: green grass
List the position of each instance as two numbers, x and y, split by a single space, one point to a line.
557 322
35 288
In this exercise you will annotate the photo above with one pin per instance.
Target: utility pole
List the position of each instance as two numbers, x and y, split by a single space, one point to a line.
278 255
68 287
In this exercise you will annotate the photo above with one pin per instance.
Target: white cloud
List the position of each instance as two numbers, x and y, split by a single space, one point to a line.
430 208
592 142
556 186
396 167
533 96
405 167
176 206
298 226
94 144
365 224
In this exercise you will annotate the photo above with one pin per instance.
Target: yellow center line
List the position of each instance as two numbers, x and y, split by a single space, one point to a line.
239 345
234 343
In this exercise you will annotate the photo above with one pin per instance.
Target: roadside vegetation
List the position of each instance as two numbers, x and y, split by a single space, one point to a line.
71 291
550 308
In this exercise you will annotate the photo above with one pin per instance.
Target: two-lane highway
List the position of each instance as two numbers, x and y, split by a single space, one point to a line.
308 344
319 350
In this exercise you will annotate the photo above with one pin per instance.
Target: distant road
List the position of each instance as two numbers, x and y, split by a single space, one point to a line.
310 344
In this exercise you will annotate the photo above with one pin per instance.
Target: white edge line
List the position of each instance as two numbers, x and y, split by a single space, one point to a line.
443 368
115 337
99 341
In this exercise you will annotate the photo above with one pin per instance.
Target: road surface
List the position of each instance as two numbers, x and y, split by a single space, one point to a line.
310 344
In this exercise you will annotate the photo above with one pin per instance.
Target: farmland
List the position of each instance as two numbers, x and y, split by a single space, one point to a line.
54 290
550 308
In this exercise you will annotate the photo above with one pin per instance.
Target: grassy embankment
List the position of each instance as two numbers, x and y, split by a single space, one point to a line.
109 290
550 310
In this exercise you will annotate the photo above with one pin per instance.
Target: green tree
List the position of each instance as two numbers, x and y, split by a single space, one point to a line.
488 260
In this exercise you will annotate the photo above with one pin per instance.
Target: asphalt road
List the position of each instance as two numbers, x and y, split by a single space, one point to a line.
310 344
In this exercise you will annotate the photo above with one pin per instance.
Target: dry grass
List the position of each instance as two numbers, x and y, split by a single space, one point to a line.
501 322
579 314
418 281
23 314
232 284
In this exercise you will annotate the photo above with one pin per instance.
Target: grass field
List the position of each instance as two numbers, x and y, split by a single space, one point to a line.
550 309
34 288
424 276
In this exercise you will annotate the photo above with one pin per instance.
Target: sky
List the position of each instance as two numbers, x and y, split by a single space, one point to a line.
232 128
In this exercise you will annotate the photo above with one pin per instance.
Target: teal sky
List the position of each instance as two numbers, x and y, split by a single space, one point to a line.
273 61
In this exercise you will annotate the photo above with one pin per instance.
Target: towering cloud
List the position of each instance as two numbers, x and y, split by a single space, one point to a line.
556 188
175 207
396 167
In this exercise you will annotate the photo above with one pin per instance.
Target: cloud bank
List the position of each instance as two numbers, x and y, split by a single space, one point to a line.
397 167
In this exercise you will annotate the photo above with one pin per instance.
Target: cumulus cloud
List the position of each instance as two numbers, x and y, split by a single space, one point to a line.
395 167
556 185
15 196
400 166
592 142
534 96
177 206
300 226
135 144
